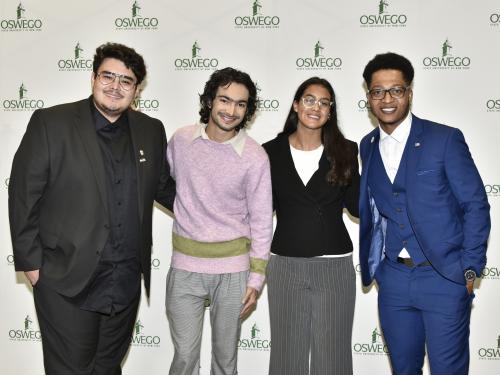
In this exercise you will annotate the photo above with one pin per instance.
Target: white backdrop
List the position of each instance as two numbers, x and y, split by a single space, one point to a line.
46 48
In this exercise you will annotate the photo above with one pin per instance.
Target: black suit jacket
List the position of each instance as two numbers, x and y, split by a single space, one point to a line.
309 218
57 194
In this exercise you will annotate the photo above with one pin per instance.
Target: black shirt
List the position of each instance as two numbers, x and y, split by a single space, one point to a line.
116 280
309 218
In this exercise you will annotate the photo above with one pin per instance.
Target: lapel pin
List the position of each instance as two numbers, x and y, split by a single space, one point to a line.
372 140
142 160
417 144
141 152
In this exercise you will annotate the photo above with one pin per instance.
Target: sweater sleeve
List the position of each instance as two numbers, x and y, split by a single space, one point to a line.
260 210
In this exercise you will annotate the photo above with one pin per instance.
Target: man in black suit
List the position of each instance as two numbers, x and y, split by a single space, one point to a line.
81 194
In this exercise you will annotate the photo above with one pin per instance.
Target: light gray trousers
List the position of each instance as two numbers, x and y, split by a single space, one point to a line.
187 293
311 307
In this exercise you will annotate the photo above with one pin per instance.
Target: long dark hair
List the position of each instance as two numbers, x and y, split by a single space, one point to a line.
337 148
223 78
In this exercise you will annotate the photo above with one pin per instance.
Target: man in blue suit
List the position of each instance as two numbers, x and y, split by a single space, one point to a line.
424 225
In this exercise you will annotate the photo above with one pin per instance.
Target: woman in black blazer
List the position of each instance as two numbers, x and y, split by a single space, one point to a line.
311 278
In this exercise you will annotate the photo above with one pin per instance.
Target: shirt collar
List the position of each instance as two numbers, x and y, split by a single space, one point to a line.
401 133
237 142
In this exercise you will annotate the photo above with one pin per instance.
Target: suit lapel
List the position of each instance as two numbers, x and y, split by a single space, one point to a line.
140 157
86 128
373 142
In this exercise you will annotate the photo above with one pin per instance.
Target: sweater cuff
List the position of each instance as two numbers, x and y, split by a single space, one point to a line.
256 281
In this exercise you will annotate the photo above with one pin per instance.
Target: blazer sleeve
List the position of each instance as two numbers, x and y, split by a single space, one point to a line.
28 180
351 198
467 187
165 194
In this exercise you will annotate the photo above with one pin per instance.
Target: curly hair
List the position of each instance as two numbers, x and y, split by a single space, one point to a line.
392 61
223 78
131 59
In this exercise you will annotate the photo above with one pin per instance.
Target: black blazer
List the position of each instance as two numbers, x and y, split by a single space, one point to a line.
57 194
309 218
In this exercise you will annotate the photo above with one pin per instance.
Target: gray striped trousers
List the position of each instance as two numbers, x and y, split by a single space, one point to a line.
311 307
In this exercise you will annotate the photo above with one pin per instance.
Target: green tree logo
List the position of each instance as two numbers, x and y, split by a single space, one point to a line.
256 8
317 49
27 322
135 9
381 6
20 11
257 87
78 50
195 49
446 48
22 91
254 331
376 336
138 327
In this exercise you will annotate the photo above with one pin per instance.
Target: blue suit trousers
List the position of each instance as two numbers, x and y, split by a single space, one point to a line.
417 308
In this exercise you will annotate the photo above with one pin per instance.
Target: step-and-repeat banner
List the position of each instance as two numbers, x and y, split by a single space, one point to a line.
46 56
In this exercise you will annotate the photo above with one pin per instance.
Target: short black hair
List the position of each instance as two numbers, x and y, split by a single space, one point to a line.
222 78
131 59
389 60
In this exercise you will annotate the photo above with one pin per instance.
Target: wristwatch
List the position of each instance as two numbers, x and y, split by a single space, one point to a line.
470 277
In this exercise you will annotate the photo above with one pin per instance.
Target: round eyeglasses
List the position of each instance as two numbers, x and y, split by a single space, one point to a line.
310 101
106 78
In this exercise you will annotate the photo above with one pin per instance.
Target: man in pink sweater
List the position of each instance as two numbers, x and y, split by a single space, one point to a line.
223 224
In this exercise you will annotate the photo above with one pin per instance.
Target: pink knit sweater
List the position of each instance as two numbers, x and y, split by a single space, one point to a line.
221 196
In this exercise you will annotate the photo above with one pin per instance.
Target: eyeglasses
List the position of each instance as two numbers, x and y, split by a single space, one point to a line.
395 92
106 78
310 101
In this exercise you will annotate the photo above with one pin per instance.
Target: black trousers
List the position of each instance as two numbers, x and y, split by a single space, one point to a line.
80 342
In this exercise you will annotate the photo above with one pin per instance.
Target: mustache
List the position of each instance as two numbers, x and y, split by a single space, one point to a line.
114 92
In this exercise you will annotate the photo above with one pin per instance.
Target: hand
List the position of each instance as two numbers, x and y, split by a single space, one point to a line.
249 302
33 276
470 287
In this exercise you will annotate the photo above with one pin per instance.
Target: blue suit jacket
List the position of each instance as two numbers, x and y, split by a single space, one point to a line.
446 203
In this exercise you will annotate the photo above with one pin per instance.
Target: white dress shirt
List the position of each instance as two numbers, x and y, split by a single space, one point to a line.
391 148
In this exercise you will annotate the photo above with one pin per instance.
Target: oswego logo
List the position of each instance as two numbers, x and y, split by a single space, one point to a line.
27 333
155 264
490 273
495 19
196 62
146 105
265 104
363 105
21 23
10 260
375 346
257 20
490 353
447 60
383 18
255 342
140 339
24 103
492 190
493 105
319 61
136 21
76 63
